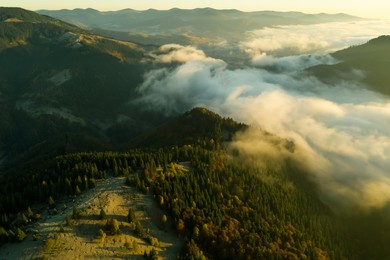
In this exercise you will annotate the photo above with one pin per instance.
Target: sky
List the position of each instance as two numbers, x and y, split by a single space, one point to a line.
366 9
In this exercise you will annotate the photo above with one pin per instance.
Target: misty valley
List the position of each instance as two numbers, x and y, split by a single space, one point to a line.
193 134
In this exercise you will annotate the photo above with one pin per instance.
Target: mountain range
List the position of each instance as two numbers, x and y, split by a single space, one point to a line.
67 93
199 25
57 78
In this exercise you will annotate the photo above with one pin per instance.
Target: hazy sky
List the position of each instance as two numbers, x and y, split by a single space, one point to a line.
368 9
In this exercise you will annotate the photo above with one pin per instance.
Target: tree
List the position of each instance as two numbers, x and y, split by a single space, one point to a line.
103 214
153 255
20 235
164 220
68 221
4 236
195 232
112 226
75 213
193 251
51 202
180 227
102 235
22 219
30 213
131 215
77 190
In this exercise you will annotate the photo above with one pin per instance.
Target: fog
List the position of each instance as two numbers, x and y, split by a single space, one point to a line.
341 131
318 38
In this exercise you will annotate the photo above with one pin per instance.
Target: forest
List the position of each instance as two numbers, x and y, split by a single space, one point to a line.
220 206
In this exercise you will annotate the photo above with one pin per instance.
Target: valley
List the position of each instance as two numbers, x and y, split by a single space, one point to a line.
193 134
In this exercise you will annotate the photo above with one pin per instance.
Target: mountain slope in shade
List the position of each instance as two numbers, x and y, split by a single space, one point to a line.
370 61
196 125
56 78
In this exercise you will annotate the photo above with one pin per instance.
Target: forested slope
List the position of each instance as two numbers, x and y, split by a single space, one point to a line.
223 207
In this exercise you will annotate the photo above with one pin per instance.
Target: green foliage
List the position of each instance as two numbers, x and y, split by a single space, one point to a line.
263 220
112 227
131 216
22 219
164 220
75 213
227 209
68 220
51 202
30 213
20 235
4 236
102 214
193 251
153 241
371 58
153 254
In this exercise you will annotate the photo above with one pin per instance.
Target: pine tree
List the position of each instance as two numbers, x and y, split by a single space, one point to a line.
75 213
51 202
103 214
131 215
68 221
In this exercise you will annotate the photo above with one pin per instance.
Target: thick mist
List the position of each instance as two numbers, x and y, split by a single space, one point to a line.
341 130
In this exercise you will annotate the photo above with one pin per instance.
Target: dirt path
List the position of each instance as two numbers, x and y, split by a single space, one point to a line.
81 240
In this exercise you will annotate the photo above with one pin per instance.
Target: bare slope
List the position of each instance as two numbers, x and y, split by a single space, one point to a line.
81 240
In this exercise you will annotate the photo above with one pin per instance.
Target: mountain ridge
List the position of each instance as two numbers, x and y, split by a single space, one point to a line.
58 78
200 22
371 59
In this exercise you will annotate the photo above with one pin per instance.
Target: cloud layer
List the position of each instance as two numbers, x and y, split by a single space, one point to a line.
342 131
319 38
170 53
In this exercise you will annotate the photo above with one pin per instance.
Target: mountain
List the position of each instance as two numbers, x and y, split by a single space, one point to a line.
57 79
206 23
371 59
189 128
220 204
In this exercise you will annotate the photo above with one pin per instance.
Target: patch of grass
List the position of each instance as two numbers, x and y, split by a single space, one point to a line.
51 242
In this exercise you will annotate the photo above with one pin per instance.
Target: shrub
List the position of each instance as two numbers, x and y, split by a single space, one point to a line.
112 227
20 235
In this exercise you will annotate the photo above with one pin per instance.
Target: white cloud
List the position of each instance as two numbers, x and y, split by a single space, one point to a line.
343 132
177 53
318 38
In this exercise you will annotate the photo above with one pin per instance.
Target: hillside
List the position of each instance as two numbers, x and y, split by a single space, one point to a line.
59 79
189 128
207 23
372 58
222 205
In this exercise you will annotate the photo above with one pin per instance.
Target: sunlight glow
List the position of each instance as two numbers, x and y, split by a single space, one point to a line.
367 9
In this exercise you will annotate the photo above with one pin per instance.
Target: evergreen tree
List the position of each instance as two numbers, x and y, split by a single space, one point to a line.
131 215
102 214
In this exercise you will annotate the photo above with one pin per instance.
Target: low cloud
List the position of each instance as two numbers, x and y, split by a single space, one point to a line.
292 63
341 131
170 53
318 38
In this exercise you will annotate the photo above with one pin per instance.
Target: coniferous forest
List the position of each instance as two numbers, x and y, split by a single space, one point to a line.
221 207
